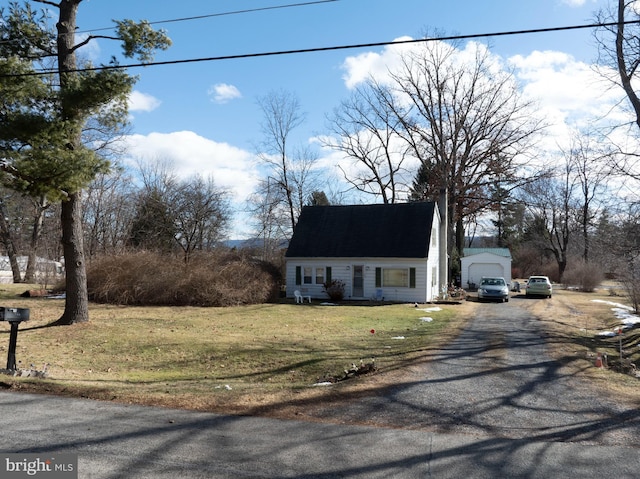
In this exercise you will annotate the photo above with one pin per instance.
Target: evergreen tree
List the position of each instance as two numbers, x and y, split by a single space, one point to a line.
152 227
423 187
43 149
318 198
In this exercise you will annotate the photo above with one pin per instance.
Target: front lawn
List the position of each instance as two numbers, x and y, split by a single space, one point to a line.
270 359
235 359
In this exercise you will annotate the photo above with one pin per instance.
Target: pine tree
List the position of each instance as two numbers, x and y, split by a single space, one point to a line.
41 132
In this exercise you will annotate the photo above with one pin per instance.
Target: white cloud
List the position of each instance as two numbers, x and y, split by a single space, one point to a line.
372 64
223 93
569 93
190 154
139 101
574 3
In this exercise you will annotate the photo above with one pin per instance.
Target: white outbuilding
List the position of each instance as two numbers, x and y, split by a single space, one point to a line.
479 262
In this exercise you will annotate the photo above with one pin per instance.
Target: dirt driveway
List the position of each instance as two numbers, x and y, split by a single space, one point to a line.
497 379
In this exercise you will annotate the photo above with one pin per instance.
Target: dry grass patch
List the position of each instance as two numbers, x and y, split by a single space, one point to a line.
265 359
573 320
245 359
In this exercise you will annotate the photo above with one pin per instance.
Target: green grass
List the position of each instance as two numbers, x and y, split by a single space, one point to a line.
230 359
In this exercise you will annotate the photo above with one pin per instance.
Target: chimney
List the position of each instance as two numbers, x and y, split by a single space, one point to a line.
443 208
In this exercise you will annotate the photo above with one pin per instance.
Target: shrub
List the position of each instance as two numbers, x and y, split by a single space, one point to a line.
335 289
585 276
213 279
630 280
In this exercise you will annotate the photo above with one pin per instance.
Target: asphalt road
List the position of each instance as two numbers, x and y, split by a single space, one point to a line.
490 405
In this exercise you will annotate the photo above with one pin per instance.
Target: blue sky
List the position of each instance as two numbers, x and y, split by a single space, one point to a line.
203 117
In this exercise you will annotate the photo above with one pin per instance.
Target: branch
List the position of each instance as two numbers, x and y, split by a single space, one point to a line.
11 170
89 38
48 2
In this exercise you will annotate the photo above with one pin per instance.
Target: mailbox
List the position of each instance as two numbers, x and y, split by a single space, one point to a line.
14 315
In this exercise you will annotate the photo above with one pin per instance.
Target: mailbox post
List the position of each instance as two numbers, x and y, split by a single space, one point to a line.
14 316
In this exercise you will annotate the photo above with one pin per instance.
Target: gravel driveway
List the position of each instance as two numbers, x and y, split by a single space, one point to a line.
497 379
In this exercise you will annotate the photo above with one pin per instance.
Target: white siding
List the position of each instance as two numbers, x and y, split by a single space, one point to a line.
427 274
343 270
476 266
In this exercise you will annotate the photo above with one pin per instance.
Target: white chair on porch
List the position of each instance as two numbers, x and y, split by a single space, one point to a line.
300 297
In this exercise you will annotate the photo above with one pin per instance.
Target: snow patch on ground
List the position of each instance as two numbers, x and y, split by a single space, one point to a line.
623 312
430 310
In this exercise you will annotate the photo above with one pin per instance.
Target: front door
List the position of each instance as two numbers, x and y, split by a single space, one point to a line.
357 290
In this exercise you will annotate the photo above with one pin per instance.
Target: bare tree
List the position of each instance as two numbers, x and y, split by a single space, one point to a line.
466 120
292 173
459 114
305 177
550 222
270 223
281 115
619 242
108 213
619 47
200 210
619 51
152 226
9 242
177 215
40 205
587 162
24 221
364 130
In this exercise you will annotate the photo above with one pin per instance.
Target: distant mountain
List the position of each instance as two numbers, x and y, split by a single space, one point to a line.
250 243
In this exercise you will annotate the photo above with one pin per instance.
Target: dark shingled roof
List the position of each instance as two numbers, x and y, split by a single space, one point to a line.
363 231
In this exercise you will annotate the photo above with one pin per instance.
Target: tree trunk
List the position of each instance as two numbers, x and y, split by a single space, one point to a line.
76 308
36 233
460 235
626 76
585 234
7 240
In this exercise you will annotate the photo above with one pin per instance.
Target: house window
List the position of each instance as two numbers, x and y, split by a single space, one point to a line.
307 275
395 277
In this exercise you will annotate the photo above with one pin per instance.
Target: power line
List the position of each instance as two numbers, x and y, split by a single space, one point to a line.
325 49
210 15
235 12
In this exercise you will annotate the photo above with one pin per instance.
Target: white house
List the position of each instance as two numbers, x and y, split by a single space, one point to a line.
46 270
390 251
479 262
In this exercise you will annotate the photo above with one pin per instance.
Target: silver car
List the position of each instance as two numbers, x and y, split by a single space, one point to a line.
493 288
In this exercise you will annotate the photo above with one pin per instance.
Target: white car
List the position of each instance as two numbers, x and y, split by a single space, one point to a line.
539 286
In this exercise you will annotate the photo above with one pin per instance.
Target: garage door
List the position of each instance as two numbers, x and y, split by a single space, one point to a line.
478 270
